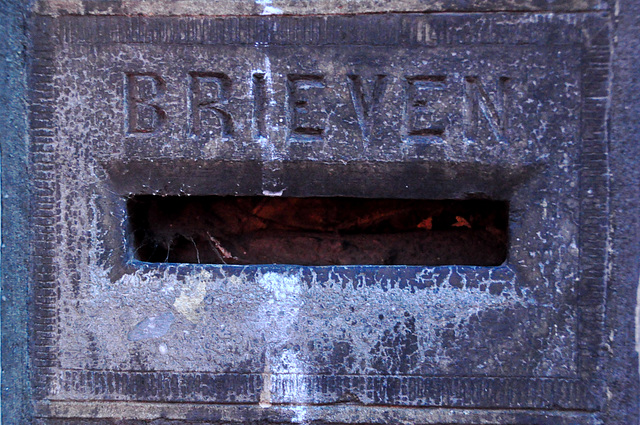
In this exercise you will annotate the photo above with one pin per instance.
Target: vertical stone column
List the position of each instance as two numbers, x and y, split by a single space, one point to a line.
623 344
16 404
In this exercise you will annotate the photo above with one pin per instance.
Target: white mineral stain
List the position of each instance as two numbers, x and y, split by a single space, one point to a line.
284 366
291 387
283 286
265 393
268 8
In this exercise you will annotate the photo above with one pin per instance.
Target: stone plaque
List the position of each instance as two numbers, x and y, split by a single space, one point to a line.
508 108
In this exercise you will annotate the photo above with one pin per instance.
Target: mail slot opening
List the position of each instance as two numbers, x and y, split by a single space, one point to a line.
317 231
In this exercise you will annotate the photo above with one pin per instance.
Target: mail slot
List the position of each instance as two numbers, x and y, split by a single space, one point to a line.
331 219
317 231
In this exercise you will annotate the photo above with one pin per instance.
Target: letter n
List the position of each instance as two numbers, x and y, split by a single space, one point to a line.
481 105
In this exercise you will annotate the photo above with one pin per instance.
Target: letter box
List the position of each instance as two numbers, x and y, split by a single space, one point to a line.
378 218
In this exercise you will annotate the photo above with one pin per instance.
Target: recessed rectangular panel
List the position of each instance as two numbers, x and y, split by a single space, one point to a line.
145 129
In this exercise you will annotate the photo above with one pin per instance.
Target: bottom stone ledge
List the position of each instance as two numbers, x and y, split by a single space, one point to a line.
135 413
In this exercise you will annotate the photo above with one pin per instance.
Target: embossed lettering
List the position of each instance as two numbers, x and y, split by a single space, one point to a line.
144 115
429 105
366 101
209 100
259 105
424 115
305 117
479 103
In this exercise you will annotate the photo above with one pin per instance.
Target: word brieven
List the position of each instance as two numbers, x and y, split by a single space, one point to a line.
211 104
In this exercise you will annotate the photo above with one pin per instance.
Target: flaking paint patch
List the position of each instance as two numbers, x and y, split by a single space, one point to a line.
152 327
54 7
191 299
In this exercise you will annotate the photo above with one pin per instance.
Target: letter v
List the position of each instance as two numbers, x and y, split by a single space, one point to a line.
366 101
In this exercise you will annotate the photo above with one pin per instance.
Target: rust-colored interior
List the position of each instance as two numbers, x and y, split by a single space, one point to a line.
317 231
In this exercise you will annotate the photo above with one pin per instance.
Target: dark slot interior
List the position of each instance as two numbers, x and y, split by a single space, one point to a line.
317 231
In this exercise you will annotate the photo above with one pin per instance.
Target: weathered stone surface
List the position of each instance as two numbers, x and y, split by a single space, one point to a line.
537 108
499 106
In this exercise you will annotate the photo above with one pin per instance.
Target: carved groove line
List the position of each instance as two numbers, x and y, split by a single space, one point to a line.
593 211
405 29
45 211
380 390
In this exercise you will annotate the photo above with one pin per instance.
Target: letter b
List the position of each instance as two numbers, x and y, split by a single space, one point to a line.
143 113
